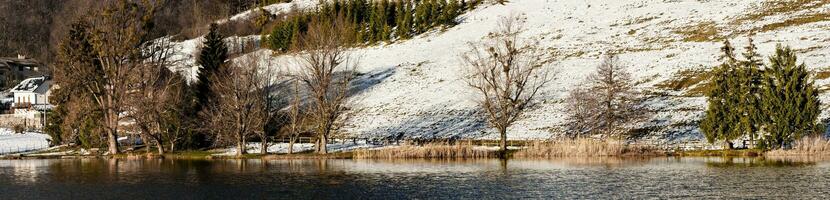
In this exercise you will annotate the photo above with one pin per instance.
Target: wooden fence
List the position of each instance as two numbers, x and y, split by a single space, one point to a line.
379 141
691 145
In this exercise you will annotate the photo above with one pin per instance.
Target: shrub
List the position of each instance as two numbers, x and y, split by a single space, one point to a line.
18 128
805 146
581 147
446 151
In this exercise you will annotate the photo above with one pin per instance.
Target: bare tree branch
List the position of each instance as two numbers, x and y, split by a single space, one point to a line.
326 69
508 74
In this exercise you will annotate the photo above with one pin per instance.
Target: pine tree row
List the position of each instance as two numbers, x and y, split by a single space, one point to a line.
374 21
772 104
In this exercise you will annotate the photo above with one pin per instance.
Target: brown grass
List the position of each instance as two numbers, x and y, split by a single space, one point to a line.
769 8
582 147
823 74
807 146
709 31
800 20
694 82
443 151
701 32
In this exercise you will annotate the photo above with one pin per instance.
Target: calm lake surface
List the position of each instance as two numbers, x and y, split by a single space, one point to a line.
421 179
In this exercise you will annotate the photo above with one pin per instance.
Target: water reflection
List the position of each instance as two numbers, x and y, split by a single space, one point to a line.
761 162
662 177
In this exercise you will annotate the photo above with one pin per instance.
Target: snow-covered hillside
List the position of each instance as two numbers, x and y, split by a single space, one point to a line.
415 88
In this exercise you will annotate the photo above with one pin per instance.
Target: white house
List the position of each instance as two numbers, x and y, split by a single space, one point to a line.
31 94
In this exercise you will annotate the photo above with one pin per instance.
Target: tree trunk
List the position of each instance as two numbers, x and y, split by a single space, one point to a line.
111 123
159 143
144 141
317 144
290 145
160 147
113 142
323 143
503 142
240 149
264 149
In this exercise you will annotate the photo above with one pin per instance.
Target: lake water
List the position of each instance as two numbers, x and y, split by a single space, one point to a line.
421 179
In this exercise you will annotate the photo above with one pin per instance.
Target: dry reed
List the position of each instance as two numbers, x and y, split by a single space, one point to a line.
444 151
819 146
581 147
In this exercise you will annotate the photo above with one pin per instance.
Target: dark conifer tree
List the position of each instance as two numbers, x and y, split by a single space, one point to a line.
749 77
719 121
211 58
421 16
451 12
406 27
377 22
789 100
399 19
439 12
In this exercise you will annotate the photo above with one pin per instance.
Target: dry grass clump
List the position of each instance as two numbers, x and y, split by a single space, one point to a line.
700 32
693 81
581 147
805 146
796 21
426 151
770 8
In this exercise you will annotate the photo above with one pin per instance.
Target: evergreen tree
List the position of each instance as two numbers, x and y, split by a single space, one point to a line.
473 4
439 12
377 22
399 19
789 100
212 56
280 37
749 85
429 14
421 16
388 20
391 13
77 65
406 27
451 12
723 117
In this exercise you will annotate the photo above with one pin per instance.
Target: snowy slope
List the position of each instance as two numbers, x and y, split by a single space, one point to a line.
416 89
275 9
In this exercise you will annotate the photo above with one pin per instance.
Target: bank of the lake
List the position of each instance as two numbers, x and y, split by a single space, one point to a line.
460 150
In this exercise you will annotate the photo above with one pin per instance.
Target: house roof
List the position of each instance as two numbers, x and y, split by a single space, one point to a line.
16 61
38 85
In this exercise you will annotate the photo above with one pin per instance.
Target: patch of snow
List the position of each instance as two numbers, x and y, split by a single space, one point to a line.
11 142
255 148
275 9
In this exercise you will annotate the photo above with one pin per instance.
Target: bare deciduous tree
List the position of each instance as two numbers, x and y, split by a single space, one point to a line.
118 36
268 80
581 107
295 117
238 113
153 99
608 105
508 73
325 68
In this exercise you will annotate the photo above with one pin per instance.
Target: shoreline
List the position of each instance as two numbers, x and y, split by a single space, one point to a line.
211 155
